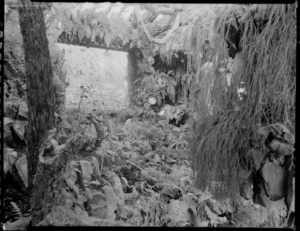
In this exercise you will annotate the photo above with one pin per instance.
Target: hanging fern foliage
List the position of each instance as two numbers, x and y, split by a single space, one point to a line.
267 51
90 25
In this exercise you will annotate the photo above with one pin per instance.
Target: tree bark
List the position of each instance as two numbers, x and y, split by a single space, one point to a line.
39 81
40 99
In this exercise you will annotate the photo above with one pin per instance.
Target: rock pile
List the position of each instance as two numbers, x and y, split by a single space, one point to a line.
271 175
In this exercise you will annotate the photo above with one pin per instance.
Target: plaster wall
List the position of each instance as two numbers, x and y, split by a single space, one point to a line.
104 71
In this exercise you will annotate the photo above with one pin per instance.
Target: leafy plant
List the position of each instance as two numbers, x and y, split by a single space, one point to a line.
179 143
157 85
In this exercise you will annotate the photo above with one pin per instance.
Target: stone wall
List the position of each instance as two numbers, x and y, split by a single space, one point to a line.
104 71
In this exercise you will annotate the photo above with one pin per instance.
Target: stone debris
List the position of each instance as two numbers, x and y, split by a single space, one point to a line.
281 148
257 158
271 178
246 190
275 180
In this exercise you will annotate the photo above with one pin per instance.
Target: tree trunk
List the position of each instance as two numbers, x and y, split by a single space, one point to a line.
40 100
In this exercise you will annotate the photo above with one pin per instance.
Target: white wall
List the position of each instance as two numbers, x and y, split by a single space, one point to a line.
105 71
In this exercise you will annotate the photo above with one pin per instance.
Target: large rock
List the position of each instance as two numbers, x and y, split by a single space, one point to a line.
244 174
279 131
257 158
275 180
260 196
281 148
246 190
